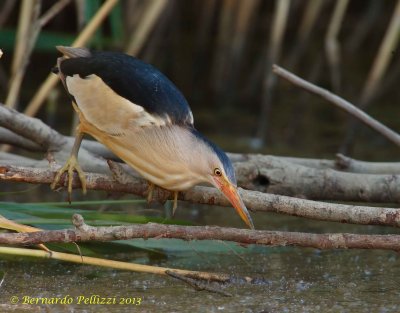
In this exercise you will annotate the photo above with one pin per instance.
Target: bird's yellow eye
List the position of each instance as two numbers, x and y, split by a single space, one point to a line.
217 172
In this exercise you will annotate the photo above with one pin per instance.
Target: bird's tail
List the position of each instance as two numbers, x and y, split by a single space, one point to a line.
74 52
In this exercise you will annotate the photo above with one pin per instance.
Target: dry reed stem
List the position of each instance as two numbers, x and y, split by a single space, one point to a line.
279 24
81 40
149 18
332 46
383 57
25 40
140 268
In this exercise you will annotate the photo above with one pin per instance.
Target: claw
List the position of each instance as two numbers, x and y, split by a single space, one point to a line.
150 197
175 206
70 166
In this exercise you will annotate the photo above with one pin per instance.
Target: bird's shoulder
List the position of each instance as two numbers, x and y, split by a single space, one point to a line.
134 80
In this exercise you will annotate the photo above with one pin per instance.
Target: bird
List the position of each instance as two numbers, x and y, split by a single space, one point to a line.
134 110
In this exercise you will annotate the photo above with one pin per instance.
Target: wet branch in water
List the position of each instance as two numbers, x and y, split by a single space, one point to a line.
84 233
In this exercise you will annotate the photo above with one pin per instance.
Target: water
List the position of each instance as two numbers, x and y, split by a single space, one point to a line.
293 279
297 280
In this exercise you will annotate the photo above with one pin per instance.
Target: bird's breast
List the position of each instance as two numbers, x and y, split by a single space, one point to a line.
156 154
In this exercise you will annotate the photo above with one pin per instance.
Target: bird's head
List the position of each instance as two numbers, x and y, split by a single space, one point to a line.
227 185
218 170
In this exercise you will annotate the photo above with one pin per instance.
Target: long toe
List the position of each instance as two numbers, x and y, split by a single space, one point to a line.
70 166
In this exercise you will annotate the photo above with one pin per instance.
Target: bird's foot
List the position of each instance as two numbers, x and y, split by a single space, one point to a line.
150 192
70 166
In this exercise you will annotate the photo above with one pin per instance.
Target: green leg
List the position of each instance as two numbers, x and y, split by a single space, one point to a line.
175 206
70 166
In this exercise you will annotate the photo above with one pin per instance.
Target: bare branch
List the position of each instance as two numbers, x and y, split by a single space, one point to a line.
8 137
30 128
85 233
345 163
256 201
198 285
339 102
276 175
310 162
286 176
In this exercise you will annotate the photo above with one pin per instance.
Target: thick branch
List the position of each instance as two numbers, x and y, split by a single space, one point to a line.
8 137
264 173
242 236
30 128
285 176
345 163
275 175
256 201
310 162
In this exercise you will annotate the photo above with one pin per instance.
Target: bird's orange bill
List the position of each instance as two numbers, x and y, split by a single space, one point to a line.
231 192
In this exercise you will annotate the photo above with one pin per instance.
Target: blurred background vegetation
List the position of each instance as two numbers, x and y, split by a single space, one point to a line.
219 53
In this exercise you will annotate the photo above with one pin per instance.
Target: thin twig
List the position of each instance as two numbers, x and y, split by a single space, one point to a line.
52 12
197 285
374 80
8 224
339 102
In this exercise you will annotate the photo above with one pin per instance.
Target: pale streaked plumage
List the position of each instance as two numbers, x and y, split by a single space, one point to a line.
142 117
134 135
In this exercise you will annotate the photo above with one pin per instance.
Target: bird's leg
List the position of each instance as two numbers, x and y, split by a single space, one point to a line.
175 206
150 192
72 165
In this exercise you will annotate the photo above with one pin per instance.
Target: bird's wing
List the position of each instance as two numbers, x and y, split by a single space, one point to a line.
115 92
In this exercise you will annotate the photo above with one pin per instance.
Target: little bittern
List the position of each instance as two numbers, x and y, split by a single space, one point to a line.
142 117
